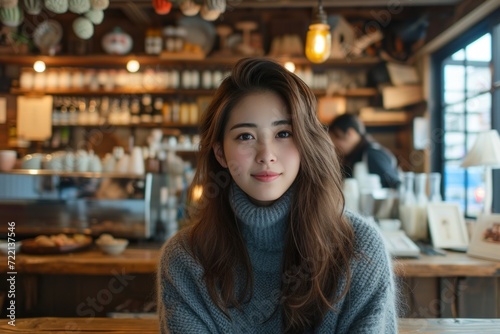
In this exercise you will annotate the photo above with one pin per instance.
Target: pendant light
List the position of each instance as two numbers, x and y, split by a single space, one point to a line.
319 38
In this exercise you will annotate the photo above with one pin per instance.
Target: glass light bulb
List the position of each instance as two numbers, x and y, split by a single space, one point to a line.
133 66
318 43
289 65
39 66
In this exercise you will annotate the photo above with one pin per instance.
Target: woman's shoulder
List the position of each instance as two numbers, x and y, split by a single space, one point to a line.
373 261
368 238
175 245
176 253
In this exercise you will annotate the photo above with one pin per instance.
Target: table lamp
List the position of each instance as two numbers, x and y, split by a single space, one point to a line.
486 153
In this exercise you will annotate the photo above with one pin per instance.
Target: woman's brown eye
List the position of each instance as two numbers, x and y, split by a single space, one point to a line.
284 134
245 136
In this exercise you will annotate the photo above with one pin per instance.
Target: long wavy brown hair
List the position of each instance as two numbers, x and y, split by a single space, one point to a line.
319 239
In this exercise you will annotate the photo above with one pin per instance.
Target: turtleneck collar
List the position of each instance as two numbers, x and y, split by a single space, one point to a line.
263 227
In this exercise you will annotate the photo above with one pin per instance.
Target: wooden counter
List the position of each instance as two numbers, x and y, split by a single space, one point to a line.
425 283
144 261
452 265
149 326
91 262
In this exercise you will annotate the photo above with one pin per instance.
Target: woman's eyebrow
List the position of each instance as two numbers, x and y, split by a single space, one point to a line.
243 125
282 122
253 125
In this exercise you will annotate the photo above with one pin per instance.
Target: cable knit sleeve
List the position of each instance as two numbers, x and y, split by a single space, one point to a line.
370 305
183 302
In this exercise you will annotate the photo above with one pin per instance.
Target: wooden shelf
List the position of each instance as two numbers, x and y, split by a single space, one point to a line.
121 91
146 60
374 124
356 92
46 172
140 125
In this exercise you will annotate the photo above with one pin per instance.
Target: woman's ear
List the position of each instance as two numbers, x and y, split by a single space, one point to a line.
219 154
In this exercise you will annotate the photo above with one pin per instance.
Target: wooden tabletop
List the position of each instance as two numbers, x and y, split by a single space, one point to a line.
144 261
149 326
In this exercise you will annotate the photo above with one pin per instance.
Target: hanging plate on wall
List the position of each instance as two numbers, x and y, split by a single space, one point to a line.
199 32
47 35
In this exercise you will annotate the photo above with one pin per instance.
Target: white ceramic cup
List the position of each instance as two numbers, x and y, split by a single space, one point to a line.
137 161
95 165
82 160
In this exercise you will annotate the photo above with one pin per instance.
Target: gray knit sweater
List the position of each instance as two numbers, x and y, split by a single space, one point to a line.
185 307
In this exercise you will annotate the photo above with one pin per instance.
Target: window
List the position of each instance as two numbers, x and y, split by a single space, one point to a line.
466 103
466 109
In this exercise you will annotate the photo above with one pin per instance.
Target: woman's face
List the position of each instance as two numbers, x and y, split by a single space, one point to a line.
258 147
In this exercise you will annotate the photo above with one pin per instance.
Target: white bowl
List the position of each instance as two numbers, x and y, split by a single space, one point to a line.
4 247
7 159
114 247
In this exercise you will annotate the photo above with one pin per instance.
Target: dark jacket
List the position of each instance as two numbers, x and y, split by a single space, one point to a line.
380 161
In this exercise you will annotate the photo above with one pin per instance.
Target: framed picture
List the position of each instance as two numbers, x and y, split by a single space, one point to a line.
447 226
485 241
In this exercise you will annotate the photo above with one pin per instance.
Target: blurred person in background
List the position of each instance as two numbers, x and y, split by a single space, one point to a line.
354 145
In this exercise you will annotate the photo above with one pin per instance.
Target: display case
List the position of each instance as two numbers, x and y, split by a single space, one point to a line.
47 202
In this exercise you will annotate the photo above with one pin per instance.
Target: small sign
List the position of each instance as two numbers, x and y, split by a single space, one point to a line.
34 117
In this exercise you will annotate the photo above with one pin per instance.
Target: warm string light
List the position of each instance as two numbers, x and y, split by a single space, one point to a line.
39 66
319 38
133 66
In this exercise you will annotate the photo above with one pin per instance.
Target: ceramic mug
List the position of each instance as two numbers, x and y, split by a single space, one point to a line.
32 161
137 161
82 160
95 165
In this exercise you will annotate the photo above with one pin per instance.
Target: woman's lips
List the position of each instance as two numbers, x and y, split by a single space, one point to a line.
266 176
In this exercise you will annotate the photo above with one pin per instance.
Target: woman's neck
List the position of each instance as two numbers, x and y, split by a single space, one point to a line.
262 227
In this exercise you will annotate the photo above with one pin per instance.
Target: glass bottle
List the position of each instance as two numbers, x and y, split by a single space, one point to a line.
435 187
56 111
135 111
157 110
422 200
162 216
420 188
408 209
146 108
409 194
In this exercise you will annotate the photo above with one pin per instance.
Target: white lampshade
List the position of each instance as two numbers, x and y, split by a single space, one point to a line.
485 152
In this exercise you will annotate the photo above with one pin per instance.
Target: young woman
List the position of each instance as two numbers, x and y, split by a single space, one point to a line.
270 248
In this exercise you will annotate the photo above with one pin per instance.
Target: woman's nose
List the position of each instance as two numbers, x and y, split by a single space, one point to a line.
265 154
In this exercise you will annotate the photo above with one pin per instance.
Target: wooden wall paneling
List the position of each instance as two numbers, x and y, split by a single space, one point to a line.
93 296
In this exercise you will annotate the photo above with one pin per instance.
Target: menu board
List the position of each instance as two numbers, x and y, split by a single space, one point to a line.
34 117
